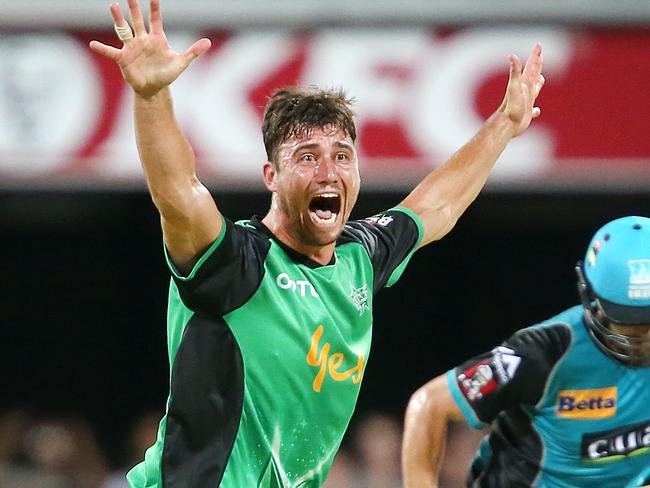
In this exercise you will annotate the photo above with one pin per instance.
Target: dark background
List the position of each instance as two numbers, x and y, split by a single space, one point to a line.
84 290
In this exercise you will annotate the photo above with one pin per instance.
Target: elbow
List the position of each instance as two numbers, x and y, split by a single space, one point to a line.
418 399
439 219
421 444
421 407
448 218
170 207
175 202
432 402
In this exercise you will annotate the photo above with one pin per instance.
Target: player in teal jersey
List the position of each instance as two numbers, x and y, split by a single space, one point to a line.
568 399
269 320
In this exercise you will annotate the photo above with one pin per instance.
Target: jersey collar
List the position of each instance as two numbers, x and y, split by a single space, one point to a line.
256 221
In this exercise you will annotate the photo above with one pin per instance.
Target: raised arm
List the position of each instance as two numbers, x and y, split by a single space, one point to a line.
425 432
442 197
189 216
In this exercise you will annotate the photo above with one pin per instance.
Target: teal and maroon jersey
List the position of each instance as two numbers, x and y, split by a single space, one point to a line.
267 351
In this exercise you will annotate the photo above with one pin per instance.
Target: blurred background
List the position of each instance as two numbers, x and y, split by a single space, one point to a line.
82 303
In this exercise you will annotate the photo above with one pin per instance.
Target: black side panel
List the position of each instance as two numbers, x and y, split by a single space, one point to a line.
207 392
516 454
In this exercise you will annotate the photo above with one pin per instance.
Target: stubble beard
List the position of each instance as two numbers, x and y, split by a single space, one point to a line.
306 231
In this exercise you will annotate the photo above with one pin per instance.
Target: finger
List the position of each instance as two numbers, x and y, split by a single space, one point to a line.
122 27
118 16
534 63
136 17
197 49
155 18
515 67
536 112
108 51
540 83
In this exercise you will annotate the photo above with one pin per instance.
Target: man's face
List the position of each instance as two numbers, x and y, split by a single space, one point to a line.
316 184
639 340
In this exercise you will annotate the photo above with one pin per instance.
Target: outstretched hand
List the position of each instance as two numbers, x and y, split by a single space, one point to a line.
523 88
147 62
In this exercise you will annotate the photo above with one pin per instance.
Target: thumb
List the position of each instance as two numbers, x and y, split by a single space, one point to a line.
197 49
105 50
516 67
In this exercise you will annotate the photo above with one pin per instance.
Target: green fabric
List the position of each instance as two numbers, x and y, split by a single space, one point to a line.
307 372
201 260
305 339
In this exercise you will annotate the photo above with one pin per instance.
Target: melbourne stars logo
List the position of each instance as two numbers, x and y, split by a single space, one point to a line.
359 297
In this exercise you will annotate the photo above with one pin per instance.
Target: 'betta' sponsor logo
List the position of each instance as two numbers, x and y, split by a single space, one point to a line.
616 444
587 404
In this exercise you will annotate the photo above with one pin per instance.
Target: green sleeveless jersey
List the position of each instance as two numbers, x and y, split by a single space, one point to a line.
267 351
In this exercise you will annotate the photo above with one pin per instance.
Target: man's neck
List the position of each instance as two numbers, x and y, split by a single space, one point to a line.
320 254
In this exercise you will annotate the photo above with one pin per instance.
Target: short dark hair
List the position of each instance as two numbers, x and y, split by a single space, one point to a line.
294 111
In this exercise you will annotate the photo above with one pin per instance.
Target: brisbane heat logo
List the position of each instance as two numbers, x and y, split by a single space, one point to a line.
639 288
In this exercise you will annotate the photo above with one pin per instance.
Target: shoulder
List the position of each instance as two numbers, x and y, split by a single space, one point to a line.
546 341
571 318
249 227
246 236
229 272
396 221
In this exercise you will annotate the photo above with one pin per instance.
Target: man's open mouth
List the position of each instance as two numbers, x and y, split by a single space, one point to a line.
324 208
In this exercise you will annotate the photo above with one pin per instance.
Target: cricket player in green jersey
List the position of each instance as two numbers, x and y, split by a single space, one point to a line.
270 319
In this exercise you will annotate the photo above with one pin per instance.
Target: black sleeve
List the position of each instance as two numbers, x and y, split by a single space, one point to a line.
511 374
390 238
227 274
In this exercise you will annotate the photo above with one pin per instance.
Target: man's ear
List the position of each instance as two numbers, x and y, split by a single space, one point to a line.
270 175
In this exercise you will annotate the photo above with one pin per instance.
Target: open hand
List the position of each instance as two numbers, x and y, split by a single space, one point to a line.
147 62
523 88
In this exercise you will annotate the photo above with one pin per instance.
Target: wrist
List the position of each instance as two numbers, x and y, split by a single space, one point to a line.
148 98
149 92
502 124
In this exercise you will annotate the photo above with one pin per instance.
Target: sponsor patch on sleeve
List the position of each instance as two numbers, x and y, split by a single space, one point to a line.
380 219
505 362
477 380
486 375
587 404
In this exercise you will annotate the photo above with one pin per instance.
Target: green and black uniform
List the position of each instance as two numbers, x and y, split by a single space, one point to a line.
267 351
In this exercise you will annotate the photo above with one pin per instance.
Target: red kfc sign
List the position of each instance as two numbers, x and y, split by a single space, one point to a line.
65 113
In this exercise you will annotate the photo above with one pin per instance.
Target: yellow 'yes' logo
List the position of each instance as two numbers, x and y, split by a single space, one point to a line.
331 364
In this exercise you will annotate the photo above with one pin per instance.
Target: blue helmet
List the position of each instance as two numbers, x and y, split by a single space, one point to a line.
614 286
